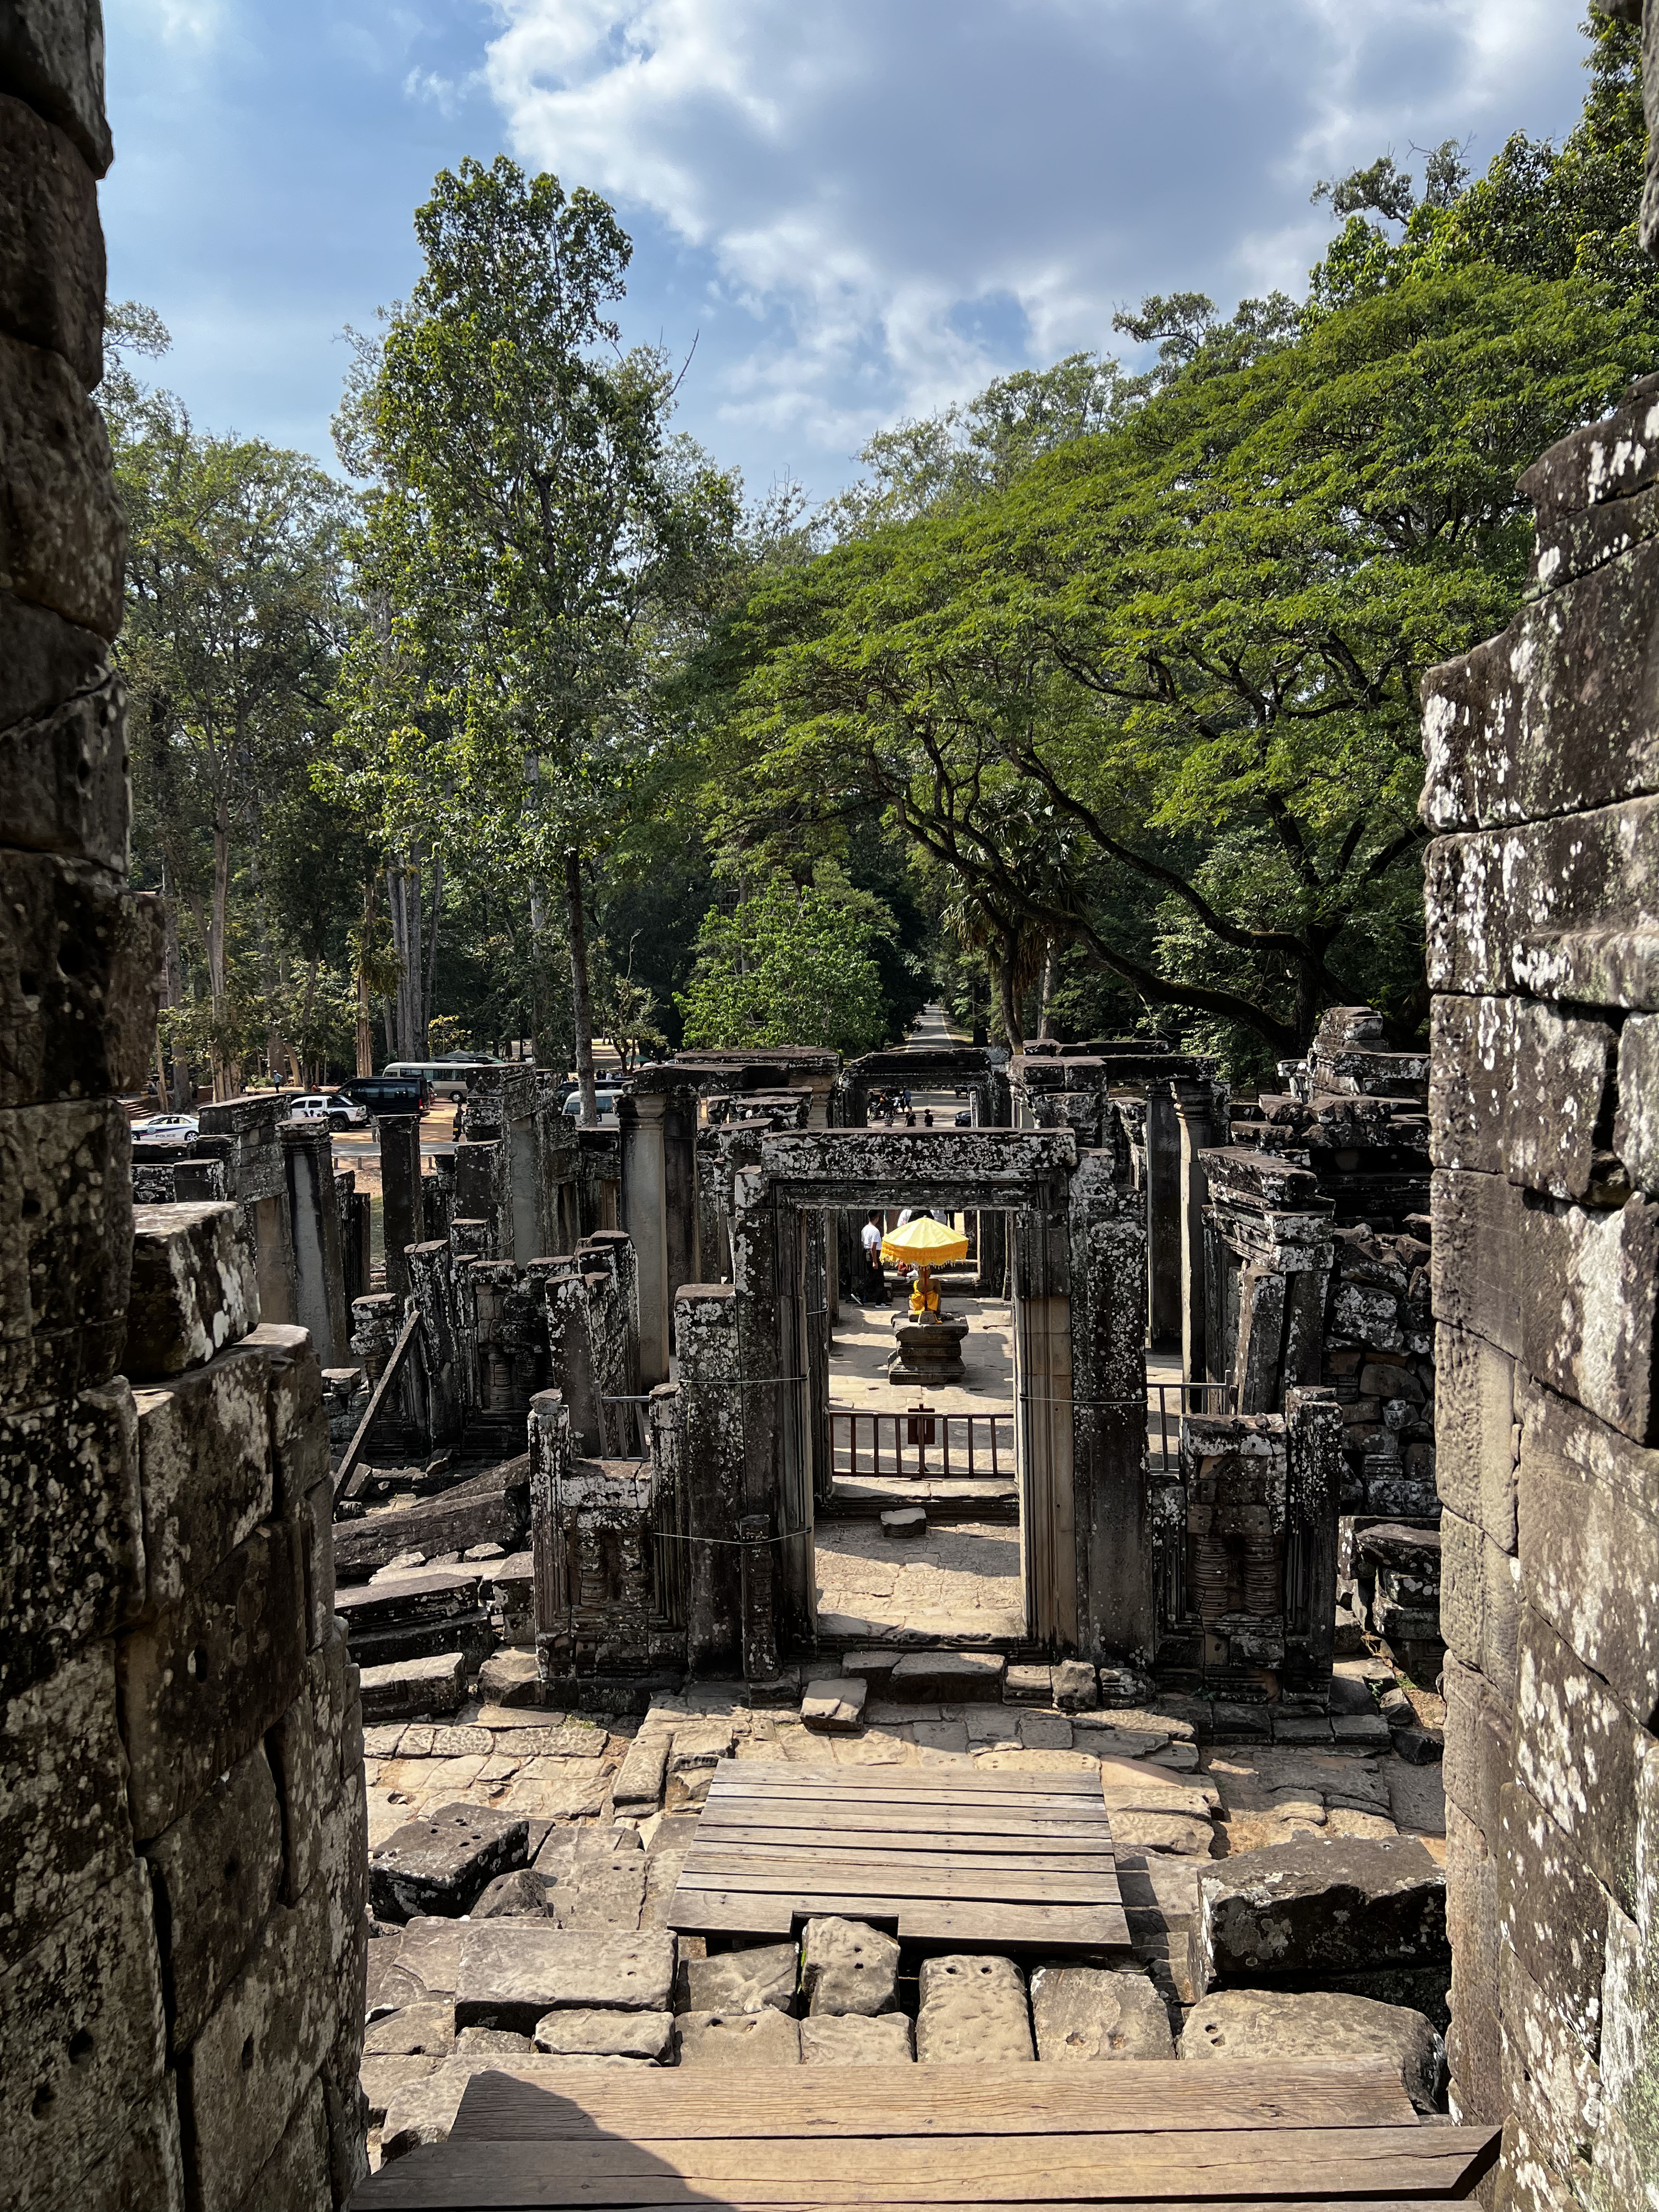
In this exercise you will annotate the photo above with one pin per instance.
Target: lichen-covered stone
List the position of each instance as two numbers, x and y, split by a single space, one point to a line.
1312 1908
204 1467
219 1869
194 1293
79 968
64 1826
65 1248
442 1864
1315 2027
53 53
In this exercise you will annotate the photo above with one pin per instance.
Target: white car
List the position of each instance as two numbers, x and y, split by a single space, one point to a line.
319 1106
167 1128
605 1102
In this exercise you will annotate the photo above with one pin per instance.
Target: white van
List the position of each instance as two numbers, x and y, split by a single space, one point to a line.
445 1078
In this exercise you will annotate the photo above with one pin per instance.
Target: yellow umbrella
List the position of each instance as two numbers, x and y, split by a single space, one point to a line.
921 1244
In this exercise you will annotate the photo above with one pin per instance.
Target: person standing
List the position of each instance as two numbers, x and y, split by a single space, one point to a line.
875 1283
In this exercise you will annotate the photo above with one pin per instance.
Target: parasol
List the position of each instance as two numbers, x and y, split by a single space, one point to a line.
921 1244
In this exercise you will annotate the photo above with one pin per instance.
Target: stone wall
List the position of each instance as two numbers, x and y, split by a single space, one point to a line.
1543 946
181 1791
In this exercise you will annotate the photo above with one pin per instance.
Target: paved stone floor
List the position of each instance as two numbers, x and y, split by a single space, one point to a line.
961 1579
863 1343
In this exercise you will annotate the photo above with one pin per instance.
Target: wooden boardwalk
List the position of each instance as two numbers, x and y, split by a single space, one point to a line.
944 1856
1211 2137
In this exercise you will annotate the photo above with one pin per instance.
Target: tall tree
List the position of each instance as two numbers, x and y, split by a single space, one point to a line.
534 536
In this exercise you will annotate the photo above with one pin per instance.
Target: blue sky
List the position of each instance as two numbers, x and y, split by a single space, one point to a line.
859 209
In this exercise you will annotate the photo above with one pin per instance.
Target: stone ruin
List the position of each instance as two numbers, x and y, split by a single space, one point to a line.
345 1616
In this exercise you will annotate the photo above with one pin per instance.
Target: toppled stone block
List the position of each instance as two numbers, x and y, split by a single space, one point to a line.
489 1508
948 1678
203 1682
477 2042
639 1779
738 2040
1027 1686
834 1706
519 1896
699 1743
442 1865
853 2038
194 1293
511 1974
740 1981
1286 2026
1308 1909
1090 2012
1182 1834
1076 1685
404 1687
584 2032
383 2076
973 2012
425 2030
422 2109
847 1966
904 1521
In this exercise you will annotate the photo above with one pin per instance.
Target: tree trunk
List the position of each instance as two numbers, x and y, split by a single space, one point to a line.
365 1007
580 1004
1045 990
223 1079
1009 996
430 962
541 1016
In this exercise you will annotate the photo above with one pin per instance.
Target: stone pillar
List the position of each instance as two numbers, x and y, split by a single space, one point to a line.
644 1201
1313 1498
259 1184
1163 1225
712 1473
431 1285
1542 893
777 1449
400 1196
1199 1115
319 1292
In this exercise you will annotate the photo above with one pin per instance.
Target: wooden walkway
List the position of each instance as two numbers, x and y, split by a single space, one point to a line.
1165 2138
944 1855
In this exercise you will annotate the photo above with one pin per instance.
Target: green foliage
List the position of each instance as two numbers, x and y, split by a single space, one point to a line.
790 965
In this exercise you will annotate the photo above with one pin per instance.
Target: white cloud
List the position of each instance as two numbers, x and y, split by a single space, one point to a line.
903 200
198 23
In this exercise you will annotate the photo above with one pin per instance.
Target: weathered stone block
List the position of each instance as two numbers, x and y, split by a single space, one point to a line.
63 1826
1517 1091
146 2167
51 259
1477 1265
521 1895
291 1745
847 1966
442 1864
65 1248
203 1682
1474 2047
857 2040
1462 1588
421 2030
1636 1125
973 2011
63 765
1089 2013
194 1293
1554 1913
1299 1910
1590 1309
219 1869
204 1468
740 1981
72 1550
81 2041
399 1690
1556 909
948 1677
834 1705
1476 1437
63 535
52 51
1548 2073
1076 1685
258 2054
1630 2042
1284 2027
1476 1760
512 1973
297 2177
639 1779
588 2034
299 1425
316 1525
739 2041
337 1722
1577 1752
78 979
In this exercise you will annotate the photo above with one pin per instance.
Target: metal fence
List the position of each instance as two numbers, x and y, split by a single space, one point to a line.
921 1441
1167 1405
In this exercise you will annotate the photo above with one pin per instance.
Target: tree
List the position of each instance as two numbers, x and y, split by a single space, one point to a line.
790 965
534 538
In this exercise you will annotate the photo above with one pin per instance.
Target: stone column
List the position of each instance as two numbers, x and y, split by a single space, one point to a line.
712 1473
644 1199
401 1224
1313 1497
1164 1224
1196 1109
320 1293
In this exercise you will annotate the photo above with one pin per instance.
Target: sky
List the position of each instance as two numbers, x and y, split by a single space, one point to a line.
844 212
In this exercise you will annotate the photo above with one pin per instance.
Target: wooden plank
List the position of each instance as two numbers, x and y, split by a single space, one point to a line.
978 1923
1072 1841
1008 1804
948 1820
348 1480
892 1878
769 1851
1193 2166
726 1912
759 1776
546 2101
991 1924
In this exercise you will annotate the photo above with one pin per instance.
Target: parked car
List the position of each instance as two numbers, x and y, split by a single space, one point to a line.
386 1093
449 1078
605 1104
167 1128
328 1106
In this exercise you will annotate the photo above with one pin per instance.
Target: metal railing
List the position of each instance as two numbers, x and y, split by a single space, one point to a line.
921 1441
